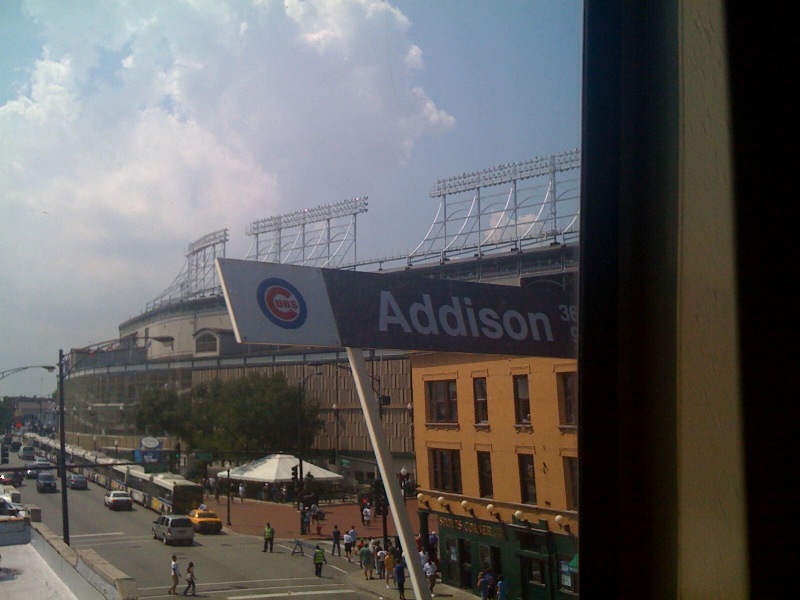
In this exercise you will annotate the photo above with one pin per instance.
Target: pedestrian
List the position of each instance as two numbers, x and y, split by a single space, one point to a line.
190 579
336 535
265 492
315 513
380 562
307 522
365 557
483 585
269 537
502 589
388 567
175 572
366 516
319 559
400 578
348 545
242 491
430 573
433 545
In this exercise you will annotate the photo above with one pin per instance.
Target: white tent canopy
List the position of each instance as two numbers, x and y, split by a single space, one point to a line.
277 468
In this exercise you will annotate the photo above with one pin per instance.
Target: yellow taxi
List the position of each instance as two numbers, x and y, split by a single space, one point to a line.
205 521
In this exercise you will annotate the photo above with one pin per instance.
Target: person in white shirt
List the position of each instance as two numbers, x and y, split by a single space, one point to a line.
349 540
430 572
175 571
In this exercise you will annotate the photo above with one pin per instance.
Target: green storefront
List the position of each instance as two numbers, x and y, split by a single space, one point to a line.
536 563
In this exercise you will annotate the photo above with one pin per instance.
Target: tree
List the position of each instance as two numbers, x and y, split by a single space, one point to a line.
163 410
257 413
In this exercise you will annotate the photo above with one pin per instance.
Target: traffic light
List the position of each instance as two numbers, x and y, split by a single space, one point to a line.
294 475
5 455
178 453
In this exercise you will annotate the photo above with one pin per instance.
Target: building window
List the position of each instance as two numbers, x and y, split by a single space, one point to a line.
527 479
205 342
533 570
485 475
568 398
442 404
479 395
571 482
522 402
446 470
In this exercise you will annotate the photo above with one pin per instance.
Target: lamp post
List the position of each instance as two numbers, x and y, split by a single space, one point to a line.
62 455
336 434
9 372
403 477
301 391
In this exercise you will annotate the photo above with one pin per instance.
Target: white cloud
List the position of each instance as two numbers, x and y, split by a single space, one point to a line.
145 125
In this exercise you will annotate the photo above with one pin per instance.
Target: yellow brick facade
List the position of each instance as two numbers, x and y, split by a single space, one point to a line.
550 438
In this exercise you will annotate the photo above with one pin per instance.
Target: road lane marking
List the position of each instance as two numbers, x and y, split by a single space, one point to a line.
96 534
293 593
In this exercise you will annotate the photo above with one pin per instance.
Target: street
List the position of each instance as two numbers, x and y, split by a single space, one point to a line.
228 565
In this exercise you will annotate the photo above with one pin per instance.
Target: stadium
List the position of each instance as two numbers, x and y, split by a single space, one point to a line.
513 224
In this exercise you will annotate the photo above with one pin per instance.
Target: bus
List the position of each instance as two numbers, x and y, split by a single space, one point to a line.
165 493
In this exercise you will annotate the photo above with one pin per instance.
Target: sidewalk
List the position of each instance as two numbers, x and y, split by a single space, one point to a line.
250 517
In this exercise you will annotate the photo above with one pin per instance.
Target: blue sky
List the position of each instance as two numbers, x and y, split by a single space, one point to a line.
130 129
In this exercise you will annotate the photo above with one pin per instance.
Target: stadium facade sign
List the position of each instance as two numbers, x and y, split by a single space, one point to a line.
285 304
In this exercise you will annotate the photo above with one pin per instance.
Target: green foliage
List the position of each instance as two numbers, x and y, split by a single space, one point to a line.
255 414
6 416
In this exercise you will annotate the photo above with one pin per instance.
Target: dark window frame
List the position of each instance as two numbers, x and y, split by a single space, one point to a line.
522 404
527 478
485 484
445 469
441 400
480 400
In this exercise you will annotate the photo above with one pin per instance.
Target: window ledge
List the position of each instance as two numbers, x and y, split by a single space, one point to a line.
449 426
482 427
523 427
568 428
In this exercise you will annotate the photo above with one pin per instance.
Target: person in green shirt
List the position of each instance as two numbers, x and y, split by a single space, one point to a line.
269 537
365 556
319 559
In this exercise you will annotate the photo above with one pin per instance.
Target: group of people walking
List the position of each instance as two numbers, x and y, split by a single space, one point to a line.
175 573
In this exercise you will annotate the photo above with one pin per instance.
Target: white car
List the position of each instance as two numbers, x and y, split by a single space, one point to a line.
118 500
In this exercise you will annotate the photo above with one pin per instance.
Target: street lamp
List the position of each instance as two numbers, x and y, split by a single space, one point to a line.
62 455
403 477
301 392
9 372
336 434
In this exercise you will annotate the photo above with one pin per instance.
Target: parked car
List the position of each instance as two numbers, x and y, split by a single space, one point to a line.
118 500
13 478
46 482
27 453
76 481
15 445
205 521
174 529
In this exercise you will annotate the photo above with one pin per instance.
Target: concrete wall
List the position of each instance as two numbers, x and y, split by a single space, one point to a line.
87 575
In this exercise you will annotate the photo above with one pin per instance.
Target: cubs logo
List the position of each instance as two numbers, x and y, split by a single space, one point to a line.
282 303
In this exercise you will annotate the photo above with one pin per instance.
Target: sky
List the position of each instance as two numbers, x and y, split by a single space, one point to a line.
129 129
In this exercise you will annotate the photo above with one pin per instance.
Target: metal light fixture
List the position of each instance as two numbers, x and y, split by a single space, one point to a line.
421 500
466 507
443 503
491 510
560 522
